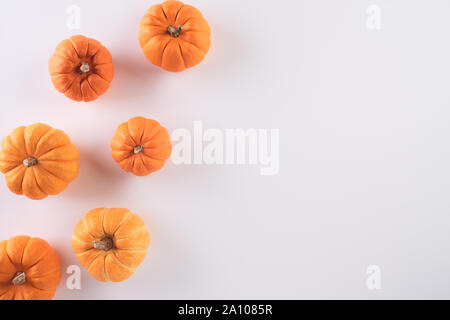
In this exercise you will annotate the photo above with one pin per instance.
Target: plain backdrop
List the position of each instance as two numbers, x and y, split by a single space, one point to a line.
364 173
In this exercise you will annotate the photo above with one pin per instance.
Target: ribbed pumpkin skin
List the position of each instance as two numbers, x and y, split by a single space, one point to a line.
174 53
147 133
130 242
40 263
65 68
57 161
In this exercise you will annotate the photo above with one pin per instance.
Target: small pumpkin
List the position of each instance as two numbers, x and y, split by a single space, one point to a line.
141 146
110 243
81 68
174 36
38 161
29 269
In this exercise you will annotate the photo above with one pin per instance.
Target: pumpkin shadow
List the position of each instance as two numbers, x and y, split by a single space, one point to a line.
134 77
99 176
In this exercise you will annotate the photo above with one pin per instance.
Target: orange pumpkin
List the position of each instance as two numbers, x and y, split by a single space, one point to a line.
81 68
29 269
38 161
110 243
174 36
141 146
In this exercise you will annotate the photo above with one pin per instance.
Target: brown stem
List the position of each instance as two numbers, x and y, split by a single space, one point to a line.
84 67
138 149
30 161
19 278
105 244
174 32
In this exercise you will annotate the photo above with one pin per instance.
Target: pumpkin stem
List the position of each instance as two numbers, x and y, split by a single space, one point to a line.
138 149
19 278
30 161
105 244
84 67
174 32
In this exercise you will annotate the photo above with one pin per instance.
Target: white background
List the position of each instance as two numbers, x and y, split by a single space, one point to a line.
364 148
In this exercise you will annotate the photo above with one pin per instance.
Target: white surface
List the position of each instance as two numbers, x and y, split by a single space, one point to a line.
364 148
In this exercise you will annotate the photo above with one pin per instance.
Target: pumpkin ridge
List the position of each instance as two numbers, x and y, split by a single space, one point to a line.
143 163
57 54
37 182
23 179
125 219
152 16
36 288
156 35
7 140
69 85
129 135
160 34
38 144
124 150
39 259
98 49
178 12
24 249
137 230
45 274
6 292
157 157
195 29
105 274
20 172
163 12
135 163
122 164
68 46
32 152
90 85
86 252
164 50
67 181
133 250
195 45
74 47
10 154
93 260
14 294
86 227
79 240
50 150
15 151
56 73
24 142
14 168
153 25
123 264
64 143
103 222
74 83
7 255
101 64
182 55
54 177
155 133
